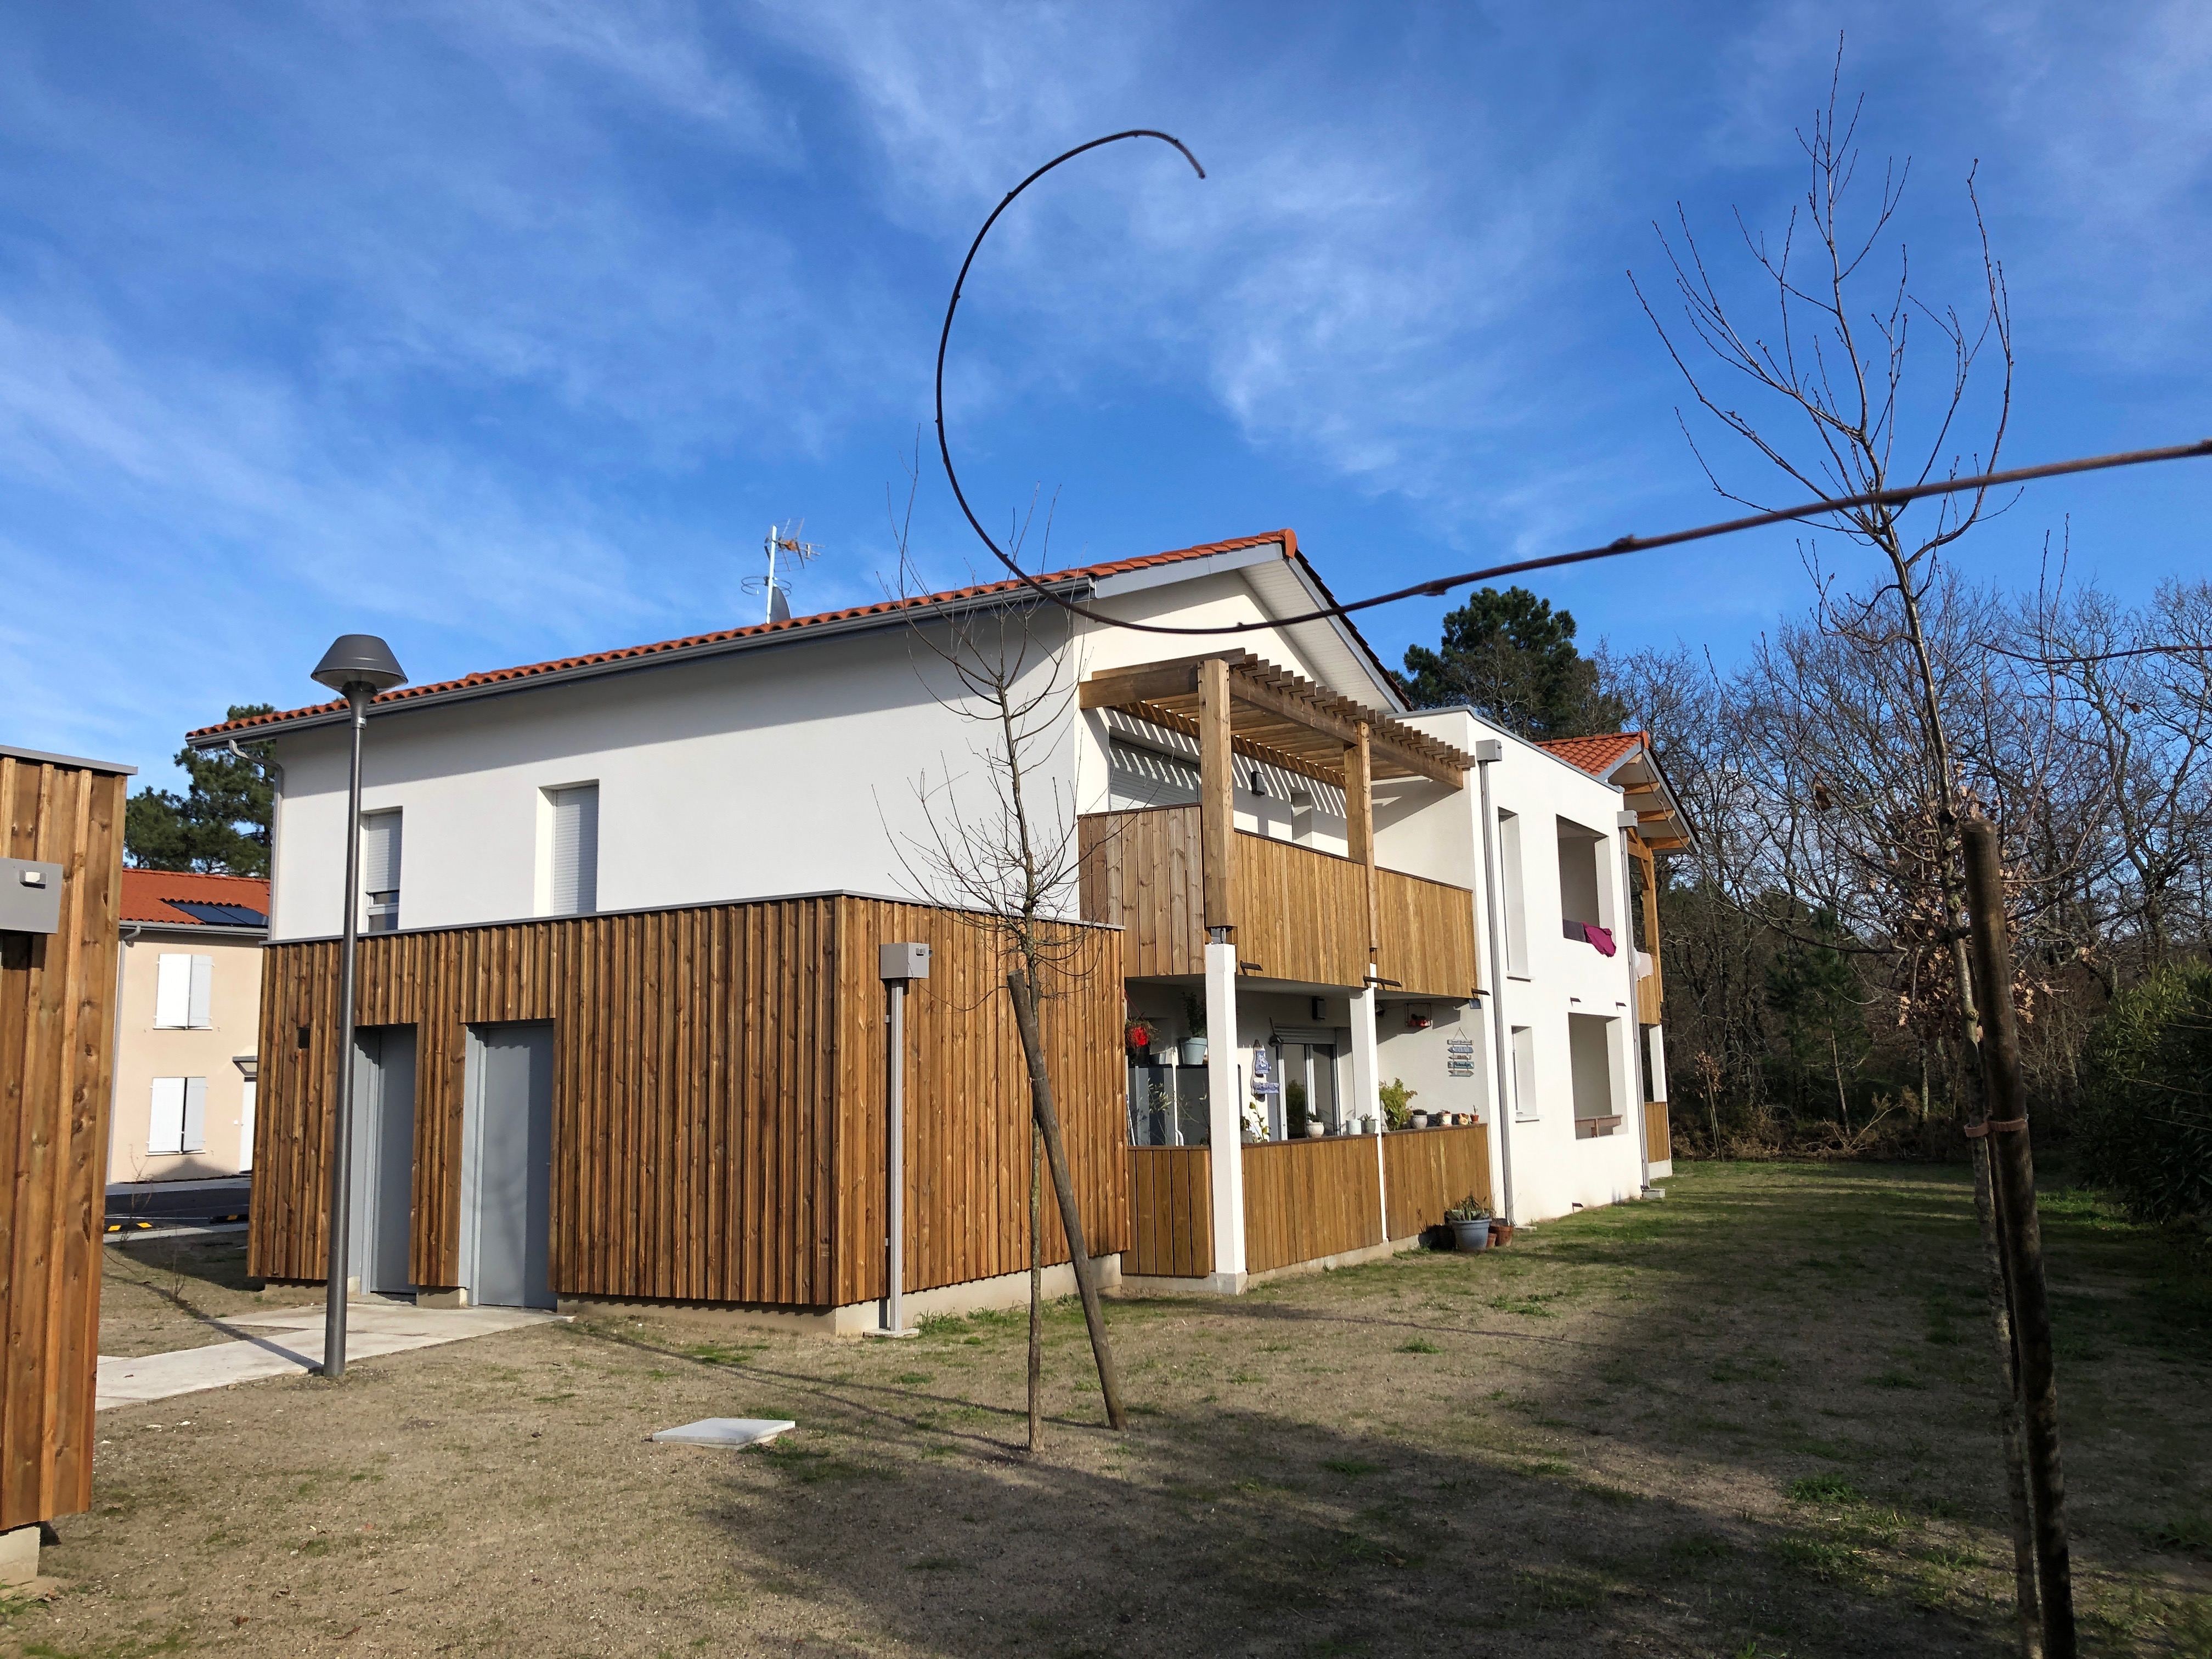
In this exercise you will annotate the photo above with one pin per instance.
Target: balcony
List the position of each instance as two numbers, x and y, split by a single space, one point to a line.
1298 913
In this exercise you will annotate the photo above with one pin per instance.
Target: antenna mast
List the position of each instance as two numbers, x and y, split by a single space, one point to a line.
784 539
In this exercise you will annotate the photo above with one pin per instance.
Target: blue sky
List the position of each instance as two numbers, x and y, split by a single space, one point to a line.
503 330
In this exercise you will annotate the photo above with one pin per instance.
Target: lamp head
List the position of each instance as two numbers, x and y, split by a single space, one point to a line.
359 659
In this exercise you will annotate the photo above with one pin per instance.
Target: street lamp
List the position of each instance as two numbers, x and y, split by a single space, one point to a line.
356 666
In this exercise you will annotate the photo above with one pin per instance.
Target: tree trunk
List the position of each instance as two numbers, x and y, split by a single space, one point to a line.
1019 986
2027 1602
2012 1181
1036 1288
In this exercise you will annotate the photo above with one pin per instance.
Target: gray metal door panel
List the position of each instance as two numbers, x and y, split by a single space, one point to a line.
513 1141
383 1157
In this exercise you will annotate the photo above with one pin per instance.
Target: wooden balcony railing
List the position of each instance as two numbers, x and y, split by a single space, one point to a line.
1305 1199
1299 913
1426 1171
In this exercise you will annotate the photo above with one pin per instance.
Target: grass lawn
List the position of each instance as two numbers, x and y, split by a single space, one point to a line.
1752 1418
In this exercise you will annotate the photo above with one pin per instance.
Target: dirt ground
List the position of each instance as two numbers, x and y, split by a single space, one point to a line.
1752 1418
172 1290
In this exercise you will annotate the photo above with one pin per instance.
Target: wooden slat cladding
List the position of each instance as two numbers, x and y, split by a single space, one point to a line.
1658 1133
719 1096
1170 1212
1301 914
1143 872
1426 1171
1428 935
57 1042
1308 1199
967 1101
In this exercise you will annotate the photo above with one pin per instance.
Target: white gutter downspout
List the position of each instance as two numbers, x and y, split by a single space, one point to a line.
1623 823
1487 753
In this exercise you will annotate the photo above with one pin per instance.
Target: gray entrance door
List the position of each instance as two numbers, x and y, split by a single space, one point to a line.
507 1174
382 1202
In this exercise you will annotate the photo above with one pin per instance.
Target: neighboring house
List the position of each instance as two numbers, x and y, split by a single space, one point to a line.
191 1012
622 913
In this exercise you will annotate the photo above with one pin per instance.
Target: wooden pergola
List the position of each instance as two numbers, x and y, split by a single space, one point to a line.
1235 702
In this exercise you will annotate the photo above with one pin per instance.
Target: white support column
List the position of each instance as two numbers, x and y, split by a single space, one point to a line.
1625 824
1225 1115
1366 1082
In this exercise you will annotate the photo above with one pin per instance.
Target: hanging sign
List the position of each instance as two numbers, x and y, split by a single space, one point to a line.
1458 1057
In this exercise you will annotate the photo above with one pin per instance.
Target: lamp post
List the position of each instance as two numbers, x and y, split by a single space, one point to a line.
356 666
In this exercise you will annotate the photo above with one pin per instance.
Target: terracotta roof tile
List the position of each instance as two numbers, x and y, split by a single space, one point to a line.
1599 755
147 896
888 607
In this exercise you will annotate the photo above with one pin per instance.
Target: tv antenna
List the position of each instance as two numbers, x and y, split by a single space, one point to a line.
784 540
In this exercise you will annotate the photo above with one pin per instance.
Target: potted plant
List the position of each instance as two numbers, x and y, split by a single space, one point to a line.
1294 1111
1143 1038
1470 1221
1194 1045
1394 1095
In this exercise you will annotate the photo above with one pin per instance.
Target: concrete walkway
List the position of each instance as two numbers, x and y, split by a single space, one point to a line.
293 1346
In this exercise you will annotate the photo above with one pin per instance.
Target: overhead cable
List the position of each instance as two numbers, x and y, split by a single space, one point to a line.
1436 587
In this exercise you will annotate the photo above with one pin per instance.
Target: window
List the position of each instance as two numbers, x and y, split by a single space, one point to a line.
574 852
179 1121
380 871
1137 778
245 1129
1525 1108
1516 905
1589 1053
1578 878
183 991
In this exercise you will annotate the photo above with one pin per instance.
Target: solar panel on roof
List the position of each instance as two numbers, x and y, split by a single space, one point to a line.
218 915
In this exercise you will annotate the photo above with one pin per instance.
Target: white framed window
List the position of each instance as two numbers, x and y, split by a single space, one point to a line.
1516 895
177 1121
380 871
1525 1109
571 850
183 992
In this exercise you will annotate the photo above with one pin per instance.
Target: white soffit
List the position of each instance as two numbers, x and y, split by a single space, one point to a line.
1338 661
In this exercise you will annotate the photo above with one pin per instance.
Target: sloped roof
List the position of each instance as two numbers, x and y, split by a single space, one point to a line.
258 724
1630 760
1596 756
153 897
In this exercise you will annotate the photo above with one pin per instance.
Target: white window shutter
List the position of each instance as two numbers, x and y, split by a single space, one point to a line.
245 1129
575 849
203 993
195 1135
380 869
379 852
165 1128
172 991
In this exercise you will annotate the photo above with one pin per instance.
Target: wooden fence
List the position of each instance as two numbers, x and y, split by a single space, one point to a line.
57 1044
1425 1171
1171 1212
719 1097
1308 1199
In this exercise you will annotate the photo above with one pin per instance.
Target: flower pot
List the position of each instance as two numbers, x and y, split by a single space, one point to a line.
1420 1120
1500 1233
1193 1051
1471 1235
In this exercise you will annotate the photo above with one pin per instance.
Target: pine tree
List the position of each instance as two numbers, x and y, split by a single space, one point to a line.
1512 658
220 825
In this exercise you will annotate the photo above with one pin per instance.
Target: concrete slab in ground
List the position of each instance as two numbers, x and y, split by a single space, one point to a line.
294 1345
728 1431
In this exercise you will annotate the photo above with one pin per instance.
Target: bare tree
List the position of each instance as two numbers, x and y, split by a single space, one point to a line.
998 848
1853 426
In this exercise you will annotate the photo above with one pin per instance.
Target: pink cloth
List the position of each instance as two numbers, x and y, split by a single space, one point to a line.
1598 936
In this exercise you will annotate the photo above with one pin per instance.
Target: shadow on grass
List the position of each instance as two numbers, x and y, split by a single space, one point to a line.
1781 1442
